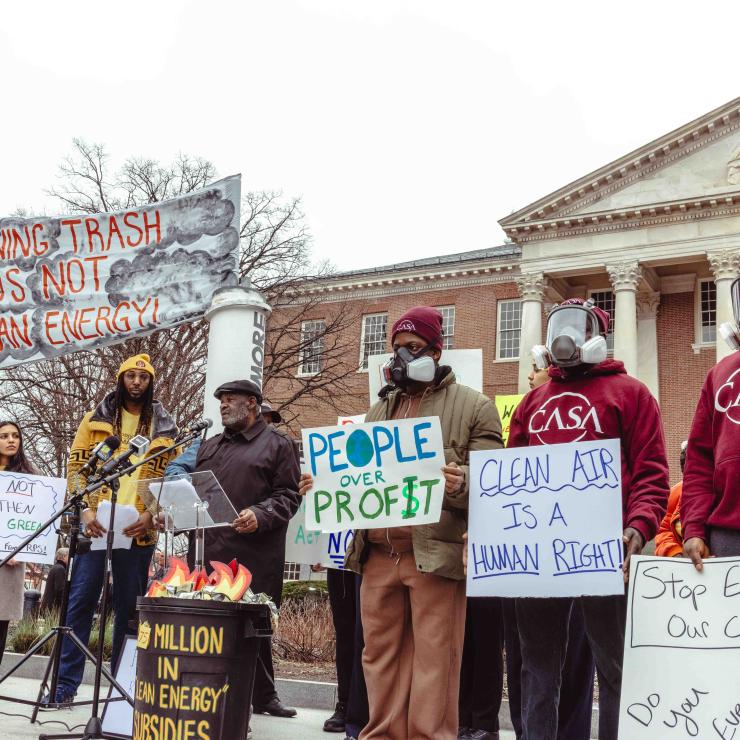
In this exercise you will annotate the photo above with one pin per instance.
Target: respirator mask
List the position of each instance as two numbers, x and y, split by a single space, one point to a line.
730 330
405 367
540 357
574 337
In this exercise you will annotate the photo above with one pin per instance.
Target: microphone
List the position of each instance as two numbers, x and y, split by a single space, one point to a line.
137 445
198 426
100 453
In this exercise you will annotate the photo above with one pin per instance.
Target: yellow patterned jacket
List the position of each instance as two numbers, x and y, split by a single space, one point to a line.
96 426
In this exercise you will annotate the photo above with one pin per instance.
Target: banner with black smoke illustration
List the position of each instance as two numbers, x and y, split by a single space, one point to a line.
80 282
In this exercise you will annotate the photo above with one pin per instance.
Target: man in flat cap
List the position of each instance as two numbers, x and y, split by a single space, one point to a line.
257 467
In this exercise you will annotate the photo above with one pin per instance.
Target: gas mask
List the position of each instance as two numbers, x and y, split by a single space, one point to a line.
405 367
541 357
730 330
574 337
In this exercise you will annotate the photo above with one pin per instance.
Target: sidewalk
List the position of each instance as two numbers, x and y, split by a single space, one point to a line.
306 726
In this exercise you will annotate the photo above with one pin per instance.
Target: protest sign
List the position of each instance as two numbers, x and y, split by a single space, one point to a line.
26 502
467 364
506 406
81 282
546 520
304 545
380 474
301 544
681 656
357 419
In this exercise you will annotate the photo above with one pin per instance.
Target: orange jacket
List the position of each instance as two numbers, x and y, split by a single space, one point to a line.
668 541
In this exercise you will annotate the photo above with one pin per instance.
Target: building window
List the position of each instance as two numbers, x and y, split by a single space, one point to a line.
448 325
708 311
292 572
509 329
605 300
312 346
374 336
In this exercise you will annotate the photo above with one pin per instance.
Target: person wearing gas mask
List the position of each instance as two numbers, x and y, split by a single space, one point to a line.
576 691
413 588
589 397
710 501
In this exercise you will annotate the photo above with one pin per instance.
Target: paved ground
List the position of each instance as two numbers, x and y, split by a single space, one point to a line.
307 726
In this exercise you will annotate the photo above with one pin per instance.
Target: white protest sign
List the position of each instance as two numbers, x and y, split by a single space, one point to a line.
302 545
81 282
467 364
118 716
26 502
681 650
334 546
357 419
546 520
380 474
307 546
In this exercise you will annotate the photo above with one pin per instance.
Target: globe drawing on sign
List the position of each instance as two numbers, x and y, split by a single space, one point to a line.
359 448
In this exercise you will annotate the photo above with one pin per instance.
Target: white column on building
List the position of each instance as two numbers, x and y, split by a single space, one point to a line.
647 340
725 264
624 277
532 287
236 343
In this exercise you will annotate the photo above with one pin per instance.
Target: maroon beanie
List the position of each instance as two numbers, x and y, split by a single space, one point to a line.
602 316
423 321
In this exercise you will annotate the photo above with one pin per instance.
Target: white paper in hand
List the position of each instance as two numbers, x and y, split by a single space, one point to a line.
125 517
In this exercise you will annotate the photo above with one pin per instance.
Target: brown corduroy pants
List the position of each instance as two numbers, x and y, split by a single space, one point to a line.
414 626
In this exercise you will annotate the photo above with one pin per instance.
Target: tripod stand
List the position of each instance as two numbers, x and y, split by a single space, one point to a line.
93 729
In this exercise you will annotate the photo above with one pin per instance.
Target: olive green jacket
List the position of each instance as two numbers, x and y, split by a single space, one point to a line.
469 422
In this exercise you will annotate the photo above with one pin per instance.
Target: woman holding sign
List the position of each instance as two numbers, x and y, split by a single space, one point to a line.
413 592
12 460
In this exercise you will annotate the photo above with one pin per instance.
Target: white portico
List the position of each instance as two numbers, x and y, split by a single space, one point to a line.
663 219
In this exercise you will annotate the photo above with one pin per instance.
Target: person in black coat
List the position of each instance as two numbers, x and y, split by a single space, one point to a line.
52 598
257 468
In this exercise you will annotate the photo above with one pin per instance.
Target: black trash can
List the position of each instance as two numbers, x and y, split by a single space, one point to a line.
31 599
195 667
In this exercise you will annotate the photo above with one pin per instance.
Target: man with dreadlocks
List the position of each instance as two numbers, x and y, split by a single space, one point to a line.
127 411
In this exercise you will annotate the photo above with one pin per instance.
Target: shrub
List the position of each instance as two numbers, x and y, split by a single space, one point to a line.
28 630
301 590
305 631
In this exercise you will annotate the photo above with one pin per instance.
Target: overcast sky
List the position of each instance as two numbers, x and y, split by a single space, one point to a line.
408 128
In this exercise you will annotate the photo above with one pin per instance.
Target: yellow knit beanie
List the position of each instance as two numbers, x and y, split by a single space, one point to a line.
137 362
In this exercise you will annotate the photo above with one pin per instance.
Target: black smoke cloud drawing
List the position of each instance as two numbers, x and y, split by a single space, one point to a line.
177 278
187 219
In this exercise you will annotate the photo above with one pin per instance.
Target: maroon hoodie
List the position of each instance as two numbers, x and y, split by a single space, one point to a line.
711 488
603 402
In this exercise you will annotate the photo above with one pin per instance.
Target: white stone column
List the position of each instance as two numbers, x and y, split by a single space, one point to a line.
236 343
725 265
624 277
532 287
647 341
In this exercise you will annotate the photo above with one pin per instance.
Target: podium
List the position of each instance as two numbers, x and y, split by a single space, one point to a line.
188 503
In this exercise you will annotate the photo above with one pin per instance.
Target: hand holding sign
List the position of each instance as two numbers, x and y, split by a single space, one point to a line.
376 475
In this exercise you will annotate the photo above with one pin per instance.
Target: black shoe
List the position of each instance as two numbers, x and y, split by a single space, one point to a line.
474 734
335 723
463 732
62 700
276 708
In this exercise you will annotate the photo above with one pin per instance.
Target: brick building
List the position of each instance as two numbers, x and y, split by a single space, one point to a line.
653 237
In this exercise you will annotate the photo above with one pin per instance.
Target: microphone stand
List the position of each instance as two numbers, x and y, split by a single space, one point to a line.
93 728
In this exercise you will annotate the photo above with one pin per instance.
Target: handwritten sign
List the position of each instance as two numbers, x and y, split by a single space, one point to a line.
26 502
311 546
682 650
81 282
381 474
506 405
546 521
357 419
